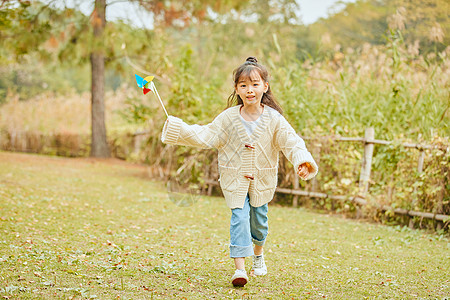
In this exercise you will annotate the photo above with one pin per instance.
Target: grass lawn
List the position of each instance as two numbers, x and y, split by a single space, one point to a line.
84 228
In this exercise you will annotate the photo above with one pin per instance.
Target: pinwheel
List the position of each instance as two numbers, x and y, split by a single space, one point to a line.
147 85
144 83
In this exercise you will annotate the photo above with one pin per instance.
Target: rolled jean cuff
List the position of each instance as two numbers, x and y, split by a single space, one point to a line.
241 251
259 243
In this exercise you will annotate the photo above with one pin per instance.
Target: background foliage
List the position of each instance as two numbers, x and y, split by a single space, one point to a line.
373 63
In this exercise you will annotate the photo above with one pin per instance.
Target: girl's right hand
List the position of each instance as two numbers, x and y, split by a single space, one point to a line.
303 170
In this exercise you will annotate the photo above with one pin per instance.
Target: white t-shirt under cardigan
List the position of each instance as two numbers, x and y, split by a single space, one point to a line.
248 163
250 126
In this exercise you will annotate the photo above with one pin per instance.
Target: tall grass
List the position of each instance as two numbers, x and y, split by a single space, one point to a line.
402 95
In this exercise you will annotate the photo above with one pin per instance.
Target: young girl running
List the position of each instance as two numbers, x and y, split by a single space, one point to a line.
248 136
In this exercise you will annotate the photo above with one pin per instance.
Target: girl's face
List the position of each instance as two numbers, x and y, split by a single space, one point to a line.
251 89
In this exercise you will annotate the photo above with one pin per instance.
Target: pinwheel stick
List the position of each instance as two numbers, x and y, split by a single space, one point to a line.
155 91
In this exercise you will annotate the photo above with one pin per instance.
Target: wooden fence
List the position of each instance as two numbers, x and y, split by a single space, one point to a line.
366 166
369 142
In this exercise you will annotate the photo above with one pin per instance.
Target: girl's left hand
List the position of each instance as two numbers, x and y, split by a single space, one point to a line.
303 170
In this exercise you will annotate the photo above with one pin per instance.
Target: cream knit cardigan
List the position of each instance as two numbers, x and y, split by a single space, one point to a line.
247 163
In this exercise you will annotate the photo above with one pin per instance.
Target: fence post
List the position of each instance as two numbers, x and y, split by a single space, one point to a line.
420 163
136 144
317 149
419 170
366 167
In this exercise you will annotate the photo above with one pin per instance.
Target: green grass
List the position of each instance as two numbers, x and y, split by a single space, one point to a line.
83 228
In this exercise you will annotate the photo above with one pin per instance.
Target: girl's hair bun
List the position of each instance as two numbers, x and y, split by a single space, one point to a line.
252 59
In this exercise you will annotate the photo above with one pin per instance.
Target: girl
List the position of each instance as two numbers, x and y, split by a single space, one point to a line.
248 136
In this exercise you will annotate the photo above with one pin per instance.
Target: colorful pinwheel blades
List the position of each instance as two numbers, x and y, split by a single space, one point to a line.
143 83
147 85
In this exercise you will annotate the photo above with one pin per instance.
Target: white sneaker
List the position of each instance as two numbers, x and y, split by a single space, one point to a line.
259 266
239 278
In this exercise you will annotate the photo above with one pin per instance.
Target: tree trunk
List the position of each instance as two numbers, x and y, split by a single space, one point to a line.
99 143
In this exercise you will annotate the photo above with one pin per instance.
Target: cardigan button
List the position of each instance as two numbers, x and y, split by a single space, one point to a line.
249 177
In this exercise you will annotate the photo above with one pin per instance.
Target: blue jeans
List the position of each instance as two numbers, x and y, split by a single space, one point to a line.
248 224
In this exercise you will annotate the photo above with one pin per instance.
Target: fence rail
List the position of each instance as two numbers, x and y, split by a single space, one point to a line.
381 142
361 201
